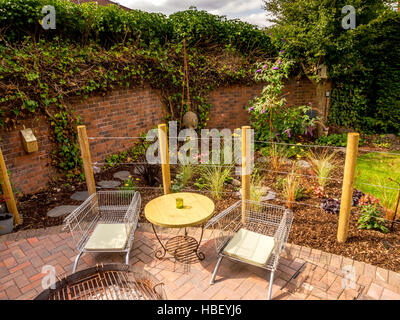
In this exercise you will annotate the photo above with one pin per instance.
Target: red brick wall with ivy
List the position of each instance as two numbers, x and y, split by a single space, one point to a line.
120 113
126 113
229 104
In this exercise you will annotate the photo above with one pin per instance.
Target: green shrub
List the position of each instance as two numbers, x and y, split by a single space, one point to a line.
338 140
111 25
256 187
182 178
371 218
366 94
129 184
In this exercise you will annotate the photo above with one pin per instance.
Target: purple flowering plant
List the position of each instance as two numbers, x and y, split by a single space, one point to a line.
269 114
273 72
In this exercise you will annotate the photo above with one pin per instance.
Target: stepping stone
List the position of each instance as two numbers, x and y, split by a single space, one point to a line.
61 211
109 184
122 175
80 196
270 196
236 182
303 164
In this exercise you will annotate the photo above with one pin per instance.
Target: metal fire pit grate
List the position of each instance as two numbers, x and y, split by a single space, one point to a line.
107 282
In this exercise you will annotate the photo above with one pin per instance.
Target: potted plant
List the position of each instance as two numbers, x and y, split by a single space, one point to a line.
6 219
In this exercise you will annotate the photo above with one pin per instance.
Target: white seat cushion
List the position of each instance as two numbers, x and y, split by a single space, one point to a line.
250 246
106 236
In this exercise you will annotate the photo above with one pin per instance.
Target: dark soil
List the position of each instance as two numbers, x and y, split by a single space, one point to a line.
312 226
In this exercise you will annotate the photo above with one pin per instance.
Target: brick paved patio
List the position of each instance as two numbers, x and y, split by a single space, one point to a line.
303 273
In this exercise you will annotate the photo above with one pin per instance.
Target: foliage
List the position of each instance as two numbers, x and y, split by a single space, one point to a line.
110 25
212 178
338 140
272 72
292 189
382 142
371 218
276 154
129 184
297 151
368 98
368 199
288 124
114 159
256 186
323 164
95 48
331 205
183 177
389 198
319 191
357 195
269 108
150 173
363 62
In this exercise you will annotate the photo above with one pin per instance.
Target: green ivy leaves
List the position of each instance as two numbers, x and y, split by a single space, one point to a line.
96 49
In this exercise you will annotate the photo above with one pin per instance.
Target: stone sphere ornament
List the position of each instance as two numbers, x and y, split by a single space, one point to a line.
190 120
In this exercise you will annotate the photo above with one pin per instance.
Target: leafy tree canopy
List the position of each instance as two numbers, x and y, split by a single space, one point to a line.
363 62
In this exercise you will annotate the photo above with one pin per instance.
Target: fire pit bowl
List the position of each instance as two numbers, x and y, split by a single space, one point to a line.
107 282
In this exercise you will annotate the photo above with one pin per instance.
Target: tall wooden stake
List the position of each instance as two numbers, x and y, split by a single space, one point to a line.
87 160
347 188
164 155
7 191
245 168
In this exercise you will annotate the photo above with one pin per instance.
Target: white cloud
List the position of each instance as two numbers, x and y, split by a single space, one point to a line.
250 11
259 19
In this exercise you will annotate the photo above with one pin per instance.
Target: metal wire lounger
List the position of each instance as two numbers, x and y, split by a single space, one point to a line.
260 222
105 222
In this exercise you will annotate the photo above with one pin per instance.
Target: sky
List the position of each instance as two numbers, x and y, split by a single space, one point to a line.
246 10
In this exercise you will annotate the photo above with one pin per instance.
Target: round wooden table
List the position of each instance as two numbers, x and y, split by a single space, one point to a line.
162 212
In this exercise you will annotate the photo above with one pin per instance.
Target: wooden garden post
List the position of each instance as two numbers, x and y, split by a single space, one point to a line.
347 188
87 160
245 168
7 191
164 155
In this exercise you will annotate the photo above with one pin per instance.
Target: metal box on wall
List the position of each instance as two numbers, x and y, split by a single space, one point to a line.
29 140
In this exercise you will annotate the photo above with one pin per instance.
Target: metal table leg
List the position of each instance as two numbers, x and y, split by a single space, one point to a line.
160 253
184 248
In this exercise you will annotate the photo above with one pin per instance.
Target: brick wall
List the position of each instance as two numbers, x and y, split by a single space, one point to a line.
28 171
229 104
119 114
126 113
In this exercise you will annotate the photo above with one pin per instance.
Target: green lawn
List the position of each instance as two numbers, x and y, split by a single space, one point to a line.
376 168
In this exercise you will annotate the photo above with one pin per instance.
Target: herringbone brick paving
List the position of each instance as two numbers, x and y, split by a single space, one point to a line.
320 274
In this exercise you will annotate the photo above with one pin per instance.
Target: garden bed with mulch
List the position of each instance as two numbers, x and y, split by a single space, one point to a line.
34 207
312 226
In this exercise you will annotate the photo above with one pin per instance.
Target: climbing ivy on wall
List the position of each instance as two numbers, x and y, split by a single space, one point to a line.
95 49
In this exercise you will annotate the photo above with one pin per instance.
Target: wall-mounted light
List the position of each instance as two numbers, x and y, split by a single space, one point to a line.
29 141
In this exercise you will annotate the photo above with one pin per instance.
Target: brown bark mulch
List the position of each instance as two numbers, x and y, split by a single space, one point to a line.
312 226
